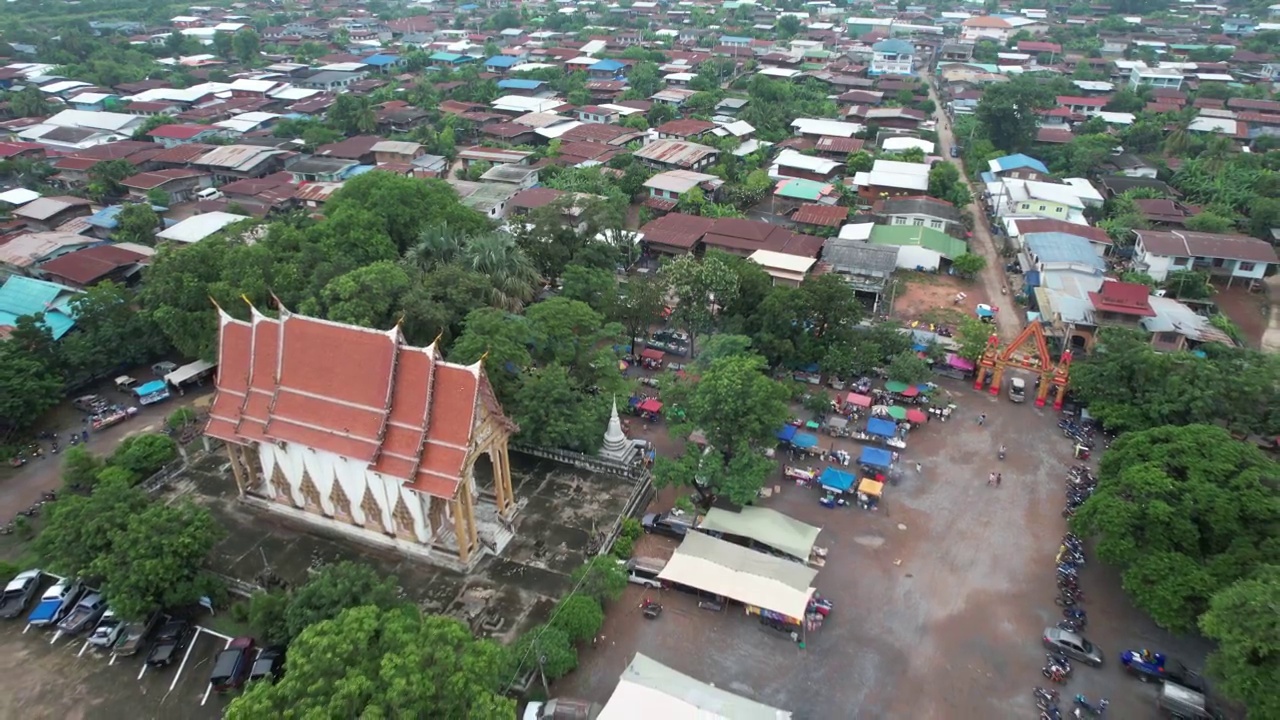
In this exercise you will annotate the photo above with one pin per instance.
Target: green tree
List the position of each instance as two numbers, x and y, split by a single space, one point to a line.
405 206
548 648
371 662
700 288
29 102
1189 284
579 616
1008 115
503 341
137 223
246 44
80 468
1242 617
640 301
908 367
1209 222
553 413
331 590
596 287
945 183
1183 512
159 198
105 178
110 332
352 114
144 454
28 388
969 264
368 296
601 578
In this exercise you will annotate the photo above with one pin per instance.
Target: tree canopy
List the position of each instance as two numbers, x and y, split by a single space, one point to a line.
1183 512
1243 618
374 662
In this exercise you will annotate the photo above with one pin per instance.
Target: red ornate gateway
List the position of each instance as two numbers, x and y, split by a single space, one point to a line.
1033 359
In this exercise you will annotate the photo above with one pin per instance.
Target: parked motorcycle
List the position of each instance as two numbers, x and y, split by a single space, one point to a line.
1071 625
1083 706
1049 694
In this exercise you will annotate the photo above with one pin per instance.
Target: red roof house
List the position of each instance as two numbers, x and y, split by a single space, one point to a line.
1122 298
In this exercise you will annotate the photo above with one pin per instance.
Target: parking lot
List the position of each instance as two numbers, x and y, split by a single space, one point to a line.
48 674
940 595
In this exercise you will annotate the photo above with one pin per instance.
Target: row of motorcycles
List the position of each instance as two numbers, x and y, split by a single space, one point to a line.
1081 485
1058 668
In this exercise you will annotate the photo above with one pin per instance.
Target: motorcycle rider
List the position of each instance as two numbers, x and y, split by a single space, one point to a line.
1002 451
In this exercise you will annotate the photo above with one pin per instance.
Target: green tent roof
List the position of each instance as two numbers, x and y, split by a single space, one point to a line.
916 236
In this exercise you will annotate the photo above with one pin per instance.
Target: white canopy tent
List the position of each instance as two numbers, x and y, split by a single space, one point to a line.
750 577
765 526
188 371
648 689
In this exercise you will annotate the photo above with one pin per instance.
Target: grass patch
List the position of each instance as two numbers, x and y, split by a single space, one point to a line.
225 622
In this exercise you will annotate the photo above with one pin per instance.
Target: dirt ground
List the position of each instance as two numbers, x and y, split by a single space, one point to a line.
1248 310
940 595
931 298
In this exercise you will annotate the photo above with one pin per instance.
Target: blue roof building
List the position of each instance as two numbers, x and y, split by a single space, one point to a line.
1017 161
383 62
21 296
501 62
449 59
520 84
1060 248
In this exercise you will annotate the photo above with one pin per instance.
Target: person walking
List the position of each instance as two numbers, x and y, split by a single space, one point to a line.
999 477
982 419
991 479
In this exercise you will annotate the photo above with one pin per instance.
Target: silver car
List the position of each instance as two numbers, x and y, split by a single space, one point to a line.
1072 645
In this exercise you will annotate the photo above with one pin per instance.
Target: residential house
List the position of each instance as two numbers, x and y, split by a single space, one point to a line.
1036 199
1155 77
1235 257
1161 213
1121 304
1082 105
743 237
329 81
684 129
866 267
891 178
986 27
173 135
198 227
677 155
1020 228
358 148
1027 167
607 70
921 211
811 167
22 254
835 148
93 101
180 184
521 176
919 248
596 114
501 64
92 265
22 296
672 96
493 156
238 162
388 151
321 169
818 216
491 199
521 86
666 188
784 268
674 233
892 57
814 128
48 213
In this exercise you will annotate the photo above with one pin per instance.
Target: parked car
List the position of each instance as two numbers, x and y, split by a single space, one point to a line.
269 664
170 641
107 631
955 151
231 666
666 524
1072 645
84 615
644 571
134 635
18 593
1185 703
56 602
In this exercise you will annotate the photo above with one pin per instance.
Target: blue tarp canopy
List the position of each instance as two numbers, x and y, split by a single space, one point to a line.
804 440
787 432
152 387
876 457
882 427
836 479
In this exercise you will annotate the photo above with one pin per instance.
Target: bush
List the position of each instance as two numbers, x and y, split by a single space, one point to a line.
144 454
181 417
623 547
631 529
580 617
8 571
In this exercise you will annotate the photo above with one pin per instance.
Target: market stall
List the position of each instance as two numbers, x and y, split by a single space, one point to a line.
917 417
651 358
854 401
956 367
876 458
787 433
193 372
805 442
880 427
765 526
869 493
650 408
835 480
649 689
838 426
802 476
778 590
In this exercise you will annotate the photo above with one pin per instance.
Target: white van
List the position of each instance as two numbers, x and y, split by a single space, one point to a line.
209 194
644 571
1017 389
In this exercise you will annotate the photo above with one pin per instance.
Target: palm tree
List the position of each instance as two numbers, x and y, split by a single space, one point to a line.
1178 141
437 245
497 257
1217 153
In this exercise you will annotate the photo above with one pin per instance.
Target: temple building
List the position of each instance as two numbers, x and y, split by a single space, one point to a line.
353 430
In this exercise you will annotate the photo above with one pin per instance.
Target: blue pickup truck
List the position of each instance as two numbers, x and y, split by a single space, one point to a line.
56 602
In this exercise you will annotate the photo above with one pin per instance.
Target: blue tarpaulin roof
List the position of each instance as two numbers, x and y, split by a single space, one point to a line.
787 432
520 84
804 440
607 66
151 387
504 61
881 427
835 479
876 457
